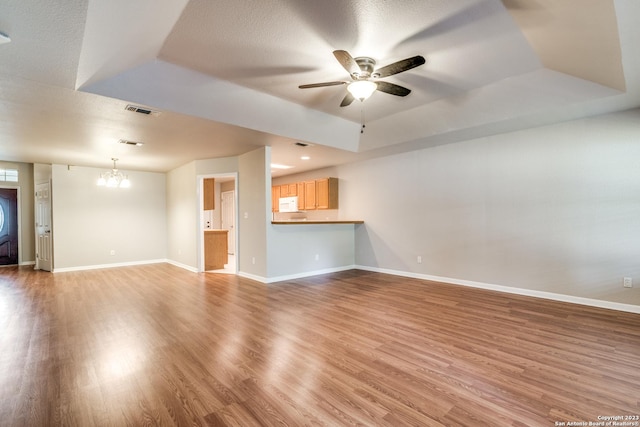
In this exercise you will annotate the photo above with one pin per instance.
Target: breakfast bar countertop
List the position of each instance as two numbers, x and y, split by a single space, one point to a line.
313 222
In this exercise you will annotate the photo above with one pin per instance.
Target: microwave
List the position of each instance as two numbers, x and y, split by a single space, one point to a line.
288 204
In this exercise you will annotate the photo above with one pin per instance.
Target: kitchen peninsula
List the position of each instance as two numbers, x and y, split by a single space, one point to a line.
307 230
312 222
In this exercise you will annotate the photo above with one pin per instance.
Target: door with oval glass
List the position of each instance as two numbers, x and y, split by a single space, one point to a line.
8 226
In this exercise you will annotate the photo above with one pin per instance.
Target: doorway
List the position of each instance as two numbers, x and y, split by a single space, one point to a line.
217 229
9 234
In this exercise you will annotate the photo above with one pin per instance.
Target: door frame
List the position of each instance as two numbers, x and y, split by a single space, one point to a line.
200 226
18 213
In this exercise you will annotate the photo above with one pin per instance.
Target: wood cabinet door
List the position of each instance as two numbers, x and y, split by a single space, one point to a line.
327 193
275 196
322 193
309 195
300 194
209 194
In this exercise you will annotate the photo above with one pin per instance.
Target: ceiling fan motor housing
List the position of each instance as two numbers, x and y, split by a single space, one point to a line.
367 65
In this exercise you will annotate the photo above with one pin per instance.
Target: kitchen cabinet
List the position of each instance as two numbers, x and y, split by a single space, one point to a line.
309 195
288 190
209 194
313 194
275 196
327 193
216 252
300 193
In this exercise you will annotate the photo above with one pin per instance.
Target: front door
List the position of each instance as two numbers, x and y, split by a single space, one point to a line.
8 226
43 227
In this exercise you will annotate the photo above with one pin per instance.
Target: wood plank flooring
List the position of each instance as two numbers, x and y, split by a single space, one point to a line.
158 345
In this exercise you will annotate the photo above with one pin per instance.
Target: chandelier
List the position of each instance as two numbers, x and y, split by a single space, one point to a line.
114 178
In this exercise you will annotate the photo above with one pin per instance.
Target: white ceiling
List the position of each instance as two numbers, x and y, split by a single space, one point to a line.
225 74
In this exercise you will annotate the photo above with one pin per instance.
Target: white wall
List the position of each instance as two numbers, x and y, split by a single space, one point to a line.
552 209
90 221
303 250
183 216
254 186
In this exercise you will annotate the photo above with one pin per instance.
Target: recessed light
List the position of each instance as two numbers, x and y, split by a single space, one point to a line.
305 158
127 142
277 166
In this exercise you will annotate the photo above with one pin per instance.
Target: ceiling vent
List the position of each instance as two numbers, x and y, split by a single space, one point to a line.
126 142
141 110
303 144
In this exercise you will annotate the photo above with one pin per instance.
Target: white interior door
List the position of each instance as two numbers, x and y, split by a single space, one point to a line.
44 258
229 219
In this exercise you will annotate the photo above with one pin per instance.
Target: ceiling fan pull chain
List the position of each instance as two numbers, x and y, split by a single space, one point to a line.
362 117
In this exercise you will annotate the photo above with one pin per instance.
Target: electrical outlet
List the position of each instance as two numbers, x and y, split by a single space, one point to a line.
112 252
253 260
627 282
419 260
317 257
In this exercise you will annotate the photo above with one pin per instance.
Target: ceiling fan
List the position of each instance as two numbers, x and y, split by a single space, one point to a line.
365 76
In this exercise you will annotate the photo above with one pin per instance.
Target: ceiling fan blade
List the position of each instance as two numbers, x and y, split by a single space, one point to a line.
347 100
347 61
393 89
400 66
321 85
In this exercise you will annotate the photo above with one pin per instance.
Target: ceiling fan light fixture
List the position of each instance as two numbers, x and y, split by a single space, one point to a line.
362 89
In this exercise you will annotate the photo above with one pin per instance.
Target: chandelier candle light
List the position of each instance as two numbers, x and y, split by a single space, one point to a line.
114 178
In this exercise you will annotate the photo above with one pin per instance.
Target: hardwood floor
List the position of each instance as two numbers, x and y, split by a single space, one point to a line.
157 345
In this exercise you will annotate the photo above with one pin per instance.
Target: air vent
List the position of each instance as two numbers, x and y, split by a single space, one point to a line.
126 142
303 144
141 110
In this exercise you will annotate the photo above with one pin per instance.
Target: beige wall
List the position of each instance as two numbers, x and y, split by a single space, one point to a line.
254 185
182 216
552 209
90 221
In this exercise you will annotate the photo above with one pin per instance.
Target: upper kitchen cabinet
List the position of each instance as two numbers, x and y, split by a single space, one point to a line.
275 197
309 195
327 193
312 195
301 195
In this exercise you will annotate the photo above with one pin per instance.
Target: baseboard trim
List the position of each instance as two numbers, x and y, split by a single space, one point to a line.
268 280
252 277
114 265
180 265
309 274
630 308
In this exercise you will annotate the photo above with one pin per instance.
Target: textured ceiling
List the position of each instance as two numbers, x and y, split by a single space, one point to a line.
225 75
